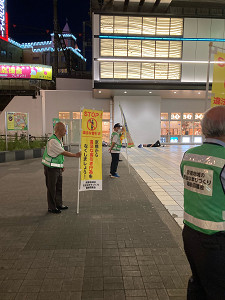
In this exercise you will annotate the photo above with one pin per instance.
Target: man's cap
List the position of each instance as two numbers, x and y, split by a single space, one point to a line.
117 125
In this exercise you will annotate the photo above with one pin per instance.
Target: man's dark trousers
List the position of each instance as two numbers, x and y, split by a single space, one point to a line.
53 177
114 163
206 255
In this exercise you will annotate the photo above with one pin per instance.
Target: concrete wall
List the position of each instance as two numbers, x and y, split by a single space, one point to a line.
73 84
50 103
142 115
183 105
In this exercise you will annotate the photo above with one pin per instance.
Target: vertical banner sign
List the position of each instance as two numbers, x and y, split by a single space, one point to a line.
91 150
218 85
130 142
17 121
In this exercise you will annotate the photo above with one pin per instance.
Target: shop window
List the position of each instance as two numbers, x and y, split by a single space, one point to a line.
105 131
164 116
175 116
64 115
175 128
198 140
173 139
187 128
187 116
77 115
197 128
165 128
186 139
106 116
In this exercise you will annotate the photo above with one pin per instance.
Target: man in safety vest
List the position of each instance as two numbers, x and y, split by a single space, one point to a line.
203 172
52 160
115 149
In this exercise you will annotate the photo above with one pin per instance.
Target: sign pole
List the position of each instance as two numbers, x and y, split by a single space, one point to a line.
125 138
208 71
28 129
78 182
6 132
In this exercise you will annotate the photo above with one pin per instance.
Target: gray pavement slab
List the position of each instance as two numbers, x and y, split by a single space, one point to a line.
123 245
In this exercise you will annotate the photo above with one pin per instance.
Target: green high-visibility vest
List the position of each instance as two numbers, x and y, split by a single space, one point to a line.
118 145
204 197
53 162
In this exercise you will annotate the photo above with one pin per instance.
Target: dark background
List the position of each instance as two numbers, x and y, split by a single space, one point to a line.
32 20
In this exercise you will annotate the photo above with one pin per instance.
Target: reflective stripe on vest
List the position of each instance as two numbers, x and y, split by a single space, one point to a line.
205 159
209 225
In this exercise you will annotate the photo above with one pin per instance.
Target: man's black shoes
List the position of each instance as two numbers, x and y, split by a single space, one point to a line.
62 207
54 211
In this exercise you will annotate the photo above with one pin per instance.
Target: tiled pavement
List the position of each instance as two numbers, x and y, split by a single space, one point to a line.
160 169
124 245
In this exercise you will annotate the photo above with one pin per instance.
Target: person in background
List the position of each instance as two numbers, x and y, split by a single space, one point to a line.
52 160
203 172
115 149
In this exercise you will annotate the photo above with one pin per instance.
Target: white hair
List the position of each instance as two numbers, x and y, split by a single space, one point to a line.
213 122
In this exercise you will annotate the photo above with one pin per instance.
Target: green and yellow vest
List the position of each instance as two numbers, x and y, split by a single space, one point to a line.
53 162
118 145
204 197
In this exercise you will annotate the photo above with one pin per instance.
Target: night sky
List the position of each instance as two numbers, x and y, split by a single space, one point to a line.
32 20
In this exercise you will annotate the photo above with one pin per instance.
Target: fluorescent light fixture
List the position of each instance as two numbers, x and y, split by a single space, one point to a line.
158 60
99 92
198 139
159 38
186 139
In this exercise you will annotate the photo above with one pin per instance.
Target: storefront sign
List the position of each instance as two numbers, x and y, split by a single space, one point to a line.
3 21
24 71
17 121
175 116
218 85
91 150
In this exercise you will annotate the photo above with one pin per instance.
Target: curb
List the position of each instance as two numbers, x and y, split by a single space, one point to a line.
8 156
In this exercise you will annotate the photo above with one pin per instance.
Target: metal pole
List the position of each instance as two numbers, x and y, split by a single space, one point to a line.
55 65
208 71
78 183
28 129
6 133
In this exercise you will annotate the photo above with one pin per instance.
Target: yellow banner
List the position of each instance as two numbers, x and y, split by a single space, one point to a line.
217 99
91 149
218 86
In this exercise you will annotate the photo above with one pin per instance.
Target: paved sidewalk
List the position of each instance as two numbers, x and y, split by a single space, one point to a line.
124 245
